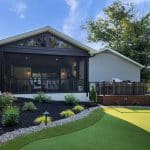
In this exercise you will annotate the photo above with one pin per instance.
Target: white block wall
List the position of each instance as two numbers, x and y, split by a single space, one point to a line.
58 96
106 65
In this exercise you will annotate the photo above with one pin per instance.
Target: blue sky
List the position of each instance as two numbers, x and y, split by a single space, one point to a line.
67 16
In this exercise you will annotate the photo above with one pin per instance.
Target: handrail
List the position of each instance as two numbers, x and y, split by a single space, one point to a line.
46 85
119 88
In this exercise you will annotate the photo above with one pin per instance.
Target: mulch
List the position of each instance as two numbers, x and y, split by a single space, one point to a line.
27 118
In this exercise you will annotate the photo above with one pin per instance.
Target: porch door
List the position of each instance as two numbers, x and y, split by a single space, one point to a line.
63 79
46 78
67 80
50 81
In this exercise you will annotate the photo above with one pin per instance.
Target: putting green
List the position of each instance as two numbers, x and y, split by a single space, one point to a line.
132 109
119 129
135 115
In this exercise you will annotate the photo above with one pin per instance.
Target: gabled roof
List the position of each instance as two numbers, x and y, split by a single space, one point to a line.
120 55
50 30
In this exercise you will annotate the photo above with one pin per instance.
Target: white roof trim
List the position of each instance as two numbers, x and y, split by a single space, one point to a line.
122 56
52 31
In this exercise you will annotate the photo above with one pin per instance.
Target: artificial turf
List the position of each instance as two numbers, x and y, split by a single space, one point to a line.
110 129
18 143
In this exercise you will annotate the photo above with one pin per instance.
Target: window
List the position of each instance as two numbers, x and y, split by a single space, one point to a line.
22 72
56 43
39 41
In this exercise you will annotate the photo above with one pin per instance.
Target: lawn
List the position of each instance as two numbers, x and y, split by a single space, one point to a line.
114 128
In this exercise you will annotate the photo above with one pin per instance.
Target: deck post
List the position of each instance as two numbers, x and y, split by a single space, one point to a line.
86 75
2 73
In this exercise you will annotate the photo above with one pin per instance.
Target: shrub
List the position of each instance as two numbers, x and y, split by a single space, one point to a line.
10 116
148 87
41 119
29 106
67 113
93 95
78 108
42 98
71 99
6 99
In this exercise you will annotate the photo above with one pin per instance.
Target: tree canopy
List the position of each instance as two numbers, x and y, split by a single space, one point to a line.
122 31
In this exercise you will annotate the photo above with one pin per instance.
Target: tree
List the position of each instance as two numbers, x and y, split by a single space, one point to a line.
122 31
93 95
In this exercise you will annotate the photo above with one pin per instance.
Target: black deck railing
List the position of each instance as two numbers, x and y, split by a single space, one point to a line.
45 85
119 88
76 85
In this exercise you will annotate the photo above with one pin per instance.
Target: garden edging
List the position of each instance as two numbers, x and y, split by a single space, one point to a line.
24 131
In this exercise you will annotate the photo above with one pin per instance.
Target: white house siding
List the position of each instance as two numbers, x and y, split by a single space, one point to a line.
106 65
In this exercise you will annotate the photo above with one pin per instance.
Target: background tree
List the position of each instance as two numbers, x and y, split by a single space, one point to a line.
123 31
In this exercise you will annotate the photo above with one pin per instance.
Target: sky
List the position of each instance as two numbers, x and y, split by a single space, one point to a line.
67 16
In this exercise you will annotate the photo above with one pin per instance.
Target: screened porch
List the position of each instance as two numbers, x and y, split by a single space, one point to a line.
31 73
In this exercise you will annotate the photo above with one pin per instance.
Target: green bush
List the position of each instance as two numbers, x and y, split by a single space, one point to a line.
41 119
6 99
93 95
71 99
10 116
29 106
67 113
148 87
42 98
78 108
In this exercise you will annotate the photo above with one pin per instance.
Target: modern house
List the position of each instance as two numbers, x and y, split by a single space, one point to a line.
49 61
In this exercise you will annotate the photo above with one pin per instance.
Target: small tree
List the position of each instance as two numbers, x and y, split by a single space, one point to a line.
93 95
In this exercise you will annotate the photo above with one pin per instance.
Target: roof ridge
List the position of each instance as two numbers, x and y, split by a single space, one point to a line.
121 55
51 30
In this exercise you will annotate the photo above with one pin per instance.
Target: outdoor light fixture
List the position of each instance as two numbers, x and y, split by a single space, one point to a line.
46 113
26 57
28 72
62 73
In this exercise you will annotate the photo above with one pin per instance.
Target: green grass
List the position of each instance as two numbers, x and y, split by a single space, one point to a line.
114 128
53 132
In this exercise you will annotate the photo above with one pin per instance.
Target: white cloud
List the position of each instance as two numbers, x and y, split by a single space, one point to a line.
78 11
72 4
18 7
72 18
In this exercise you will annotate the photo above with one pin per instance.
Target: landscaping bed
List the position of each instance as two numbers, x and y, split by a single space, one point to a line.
27 118
106 128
